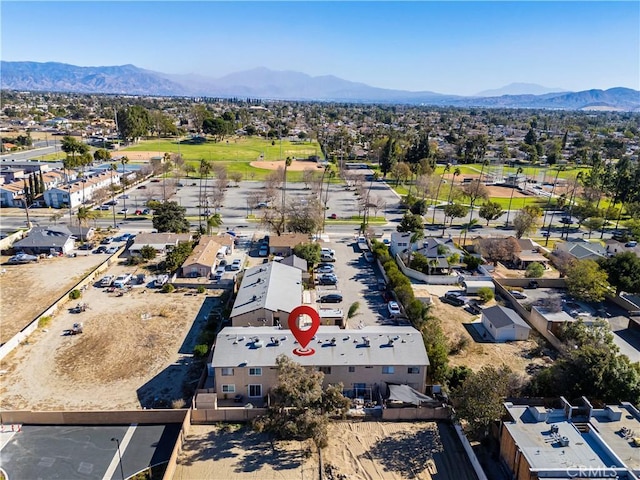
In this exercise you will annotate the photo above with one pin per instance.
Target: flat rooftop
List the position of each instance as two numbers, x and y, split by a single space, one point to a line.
542 447
612 432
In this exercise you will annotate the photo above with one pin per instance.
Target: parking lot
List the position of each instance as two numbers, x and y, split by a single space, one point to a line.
357 282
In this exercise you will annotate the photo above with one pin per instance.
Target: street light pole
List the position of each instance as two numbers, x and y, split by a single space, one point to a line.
518 172
114 439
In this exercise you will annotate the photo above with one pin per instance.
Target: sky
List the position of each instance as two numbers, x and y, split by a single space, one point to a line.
450 47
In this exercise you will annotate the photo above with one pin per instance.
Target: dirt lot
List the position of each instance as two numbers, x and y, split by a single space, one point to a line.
357 450
456 324
296 166
26 290
135 351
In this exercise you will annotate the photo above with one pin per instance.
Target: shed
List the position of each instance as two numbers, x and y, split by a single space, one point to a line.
504 324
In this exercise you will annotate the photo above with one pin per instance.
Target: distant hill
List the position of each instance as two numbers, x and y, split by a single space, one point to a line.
519 89
287 85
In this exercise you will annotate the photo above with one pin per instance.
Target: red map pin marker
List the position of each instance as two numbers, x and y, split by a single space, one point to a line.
304 336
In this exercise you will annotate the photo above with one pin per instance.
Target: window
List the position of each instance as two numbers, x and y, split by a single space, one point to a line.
402 244
325 370
227 372
413 370
388 369
255 390
228 388
255 372
352 369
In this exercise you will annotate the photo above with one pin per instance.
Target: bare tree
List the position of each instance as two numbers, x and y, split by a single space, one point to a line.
498 249
308 176
236 177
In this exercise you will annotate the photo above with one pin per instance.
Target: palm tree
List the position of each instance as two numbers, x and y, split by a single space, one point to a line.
287 163
435 200
214 221
124 160
205 170
553 189
84 214
113 168
166 167
415 238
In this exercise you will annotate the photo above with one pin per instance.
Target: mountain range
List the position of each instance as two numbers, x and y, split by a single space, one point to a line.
288 85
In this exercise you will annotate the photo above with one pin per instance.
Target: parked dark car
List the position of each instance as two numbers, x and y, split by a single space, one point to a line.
331 298
87 246
533 284
452 299
327 279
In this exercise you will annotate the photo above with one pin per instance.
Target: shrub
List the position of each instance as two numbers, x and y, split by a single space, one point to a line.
353 309
148 252
200 350
471 262
44 322
75 294
178 403
168 288
201 289
485 294
534 270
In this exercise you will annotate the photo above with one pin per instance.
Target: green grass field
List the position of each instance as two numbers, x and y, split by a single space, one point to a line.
247 149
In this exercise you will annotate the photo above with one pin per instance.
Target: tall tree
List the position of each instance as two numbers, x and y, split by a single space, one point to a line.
623 271
587 281
170 217
388 158
300 408
133 122
490 211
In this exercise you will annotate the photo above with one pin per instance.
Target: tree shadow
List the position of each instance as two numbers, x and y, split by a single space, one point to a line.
407 453
250 450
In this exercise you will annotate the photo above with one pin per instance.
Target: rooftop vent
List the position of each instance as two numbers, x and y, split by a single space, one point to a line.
366 341
257 343
333 341
563 441
390 342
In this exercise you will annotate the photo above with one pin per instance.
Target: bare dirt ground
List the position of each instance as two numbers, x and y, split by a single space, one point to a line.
141 156
456 324
26 290
357 451
135 351
296 165
503 272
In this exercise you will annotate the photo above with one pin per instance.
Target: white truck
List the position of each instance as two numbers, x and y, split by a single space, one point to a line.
362 244
122 280
106 281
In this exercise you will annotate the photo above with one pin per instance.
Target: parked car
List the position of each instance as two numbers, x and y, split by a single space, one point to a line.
262 205
333 216
111 250
327 251
160 281
533 284
331 298
566 220
124 211
394 308
104 207
142 187
106 281
517 294
122 280
106 241
87 246
368 256
146 211
100 249
325 268
264 251
328 279
327 258
236 264
453 298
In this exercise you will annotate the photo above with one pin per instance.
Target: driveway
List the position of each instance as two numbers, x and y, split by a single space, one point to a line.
357 281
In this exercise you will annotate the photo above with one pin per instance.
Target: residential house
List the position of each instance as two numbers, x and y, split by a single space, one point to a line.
363 360
283 244
528 254
436 250
12 194
295 261
56 239
161 242
267 295
613 247
203 259
81 191
581 249
570 441
504 324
